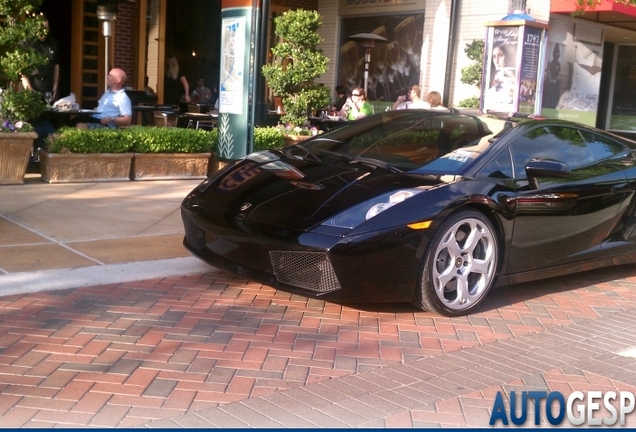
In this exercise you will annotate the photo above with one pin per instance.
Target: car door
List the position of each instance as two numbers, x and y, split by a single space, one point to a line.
564 219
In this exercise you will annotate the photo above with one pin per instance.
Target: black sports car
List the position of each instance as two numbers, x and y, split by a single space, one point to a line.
422 206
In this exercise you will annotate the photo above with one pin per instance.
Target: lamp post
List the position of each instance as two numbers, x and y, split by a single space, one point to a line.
368 41
106 13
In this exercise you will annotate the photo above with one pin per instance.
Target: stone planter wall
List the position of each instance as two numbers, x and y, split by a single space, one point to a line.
214 164
294 139
95 167
15 150
170 166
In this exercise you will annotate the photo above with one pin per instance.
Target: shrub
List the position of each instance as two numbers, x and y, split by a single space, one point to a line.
20 26
299 63
265 137
169 140
471 102
471 75
268 138
137 139
71 140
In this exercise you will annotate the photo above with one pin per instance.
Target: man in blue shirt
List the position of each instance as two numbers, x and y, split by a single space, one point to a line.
114 109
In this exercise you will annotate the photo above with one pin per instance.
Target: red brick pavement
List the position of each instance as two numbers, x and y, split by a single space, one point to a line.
125 355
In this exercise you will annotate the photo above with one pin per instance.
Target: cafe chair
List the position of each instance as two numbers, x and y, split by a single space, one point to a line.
200 124
194 108
164 120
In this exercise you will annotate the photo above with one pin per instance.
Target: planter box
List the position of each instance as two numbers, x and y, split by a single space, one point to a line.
15 150
80 168
170 166
294 139
214 164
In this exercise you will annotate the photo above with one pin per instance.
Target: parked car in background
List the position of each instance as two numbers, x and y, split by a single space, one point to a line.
427 207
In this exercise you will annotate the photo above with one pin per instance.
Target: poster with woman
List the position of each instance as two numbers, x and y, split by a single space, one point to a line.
502 69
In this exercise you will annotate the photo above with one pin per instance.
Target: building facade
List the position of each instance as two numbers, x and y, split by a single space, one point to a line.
593 55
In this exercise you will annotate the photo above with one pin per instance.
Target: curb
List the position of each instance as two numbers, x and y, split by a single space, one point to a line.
51 280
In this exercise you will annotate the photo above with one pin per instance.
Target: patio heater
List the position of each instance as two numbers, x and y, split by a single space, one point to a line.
368 41
106 14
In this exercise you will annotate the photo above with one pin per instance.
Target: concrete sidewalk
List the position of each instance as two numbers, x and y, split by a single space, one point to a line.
55 236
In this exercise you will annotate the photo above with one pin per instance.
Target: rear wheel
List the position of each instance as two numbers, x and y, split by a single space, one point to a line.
460 264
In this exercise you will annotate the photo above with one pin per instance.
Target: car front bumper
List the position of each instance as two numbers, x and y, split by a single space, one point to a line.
372 267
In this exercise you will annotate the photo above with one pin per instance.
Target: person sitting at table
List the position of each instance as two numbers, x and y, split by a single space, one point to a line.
201 94
435 100
114 108
356 106
411 101
341 98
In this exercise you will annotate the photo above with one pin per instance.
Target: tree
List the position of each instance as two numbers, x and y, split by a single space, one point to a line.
471 75
585 5
300 63
20 26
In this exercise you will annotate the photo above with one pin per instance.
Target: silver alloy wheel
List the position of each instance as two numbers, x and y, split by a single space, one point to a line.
465 264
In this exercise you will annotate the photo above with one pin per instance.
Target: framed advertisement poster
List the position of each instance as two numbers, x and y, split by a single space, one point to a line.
529 71
514 58
233 36
501 70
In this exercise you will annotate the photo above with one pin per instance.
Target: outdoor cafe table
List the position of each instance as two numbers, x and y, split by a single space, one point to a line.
326 124
184 120
59 118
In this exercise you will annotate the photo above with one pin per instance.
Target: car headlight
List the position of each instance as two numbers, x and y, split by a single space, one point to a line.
354 216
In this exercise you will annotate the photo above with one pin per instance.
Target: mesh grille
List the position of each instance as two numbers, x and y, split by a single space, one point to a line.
308 270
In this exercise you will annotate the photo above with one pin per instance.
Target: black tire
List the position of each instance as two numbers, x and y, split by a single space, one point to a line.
459 266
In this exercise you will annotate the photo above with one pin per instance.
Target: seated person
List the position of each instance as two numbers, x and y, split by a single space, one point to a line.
435 100
411 101
201 94
356 106
114 109
341 99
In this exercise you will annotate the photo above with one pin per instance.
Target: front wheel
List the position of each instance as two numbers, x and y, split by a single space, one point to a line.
460 265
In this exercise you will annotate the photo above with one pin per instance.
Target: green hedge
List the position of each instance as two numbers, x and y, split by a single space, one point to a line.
265 137
138 139
168 140
71 140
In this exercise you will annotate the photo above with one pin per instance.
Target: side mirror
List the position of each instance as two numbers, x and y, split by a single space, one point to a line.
536 168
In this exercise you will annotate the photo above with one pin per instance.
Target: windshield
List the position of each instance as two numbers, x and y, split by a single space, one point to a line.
409 140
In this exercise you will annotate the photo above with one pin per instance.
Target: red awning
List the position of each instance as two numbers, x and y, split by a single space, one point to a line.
607 12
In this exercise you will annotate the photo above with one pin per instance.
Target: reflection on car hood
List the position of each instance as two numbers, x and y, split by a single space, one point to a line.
299 194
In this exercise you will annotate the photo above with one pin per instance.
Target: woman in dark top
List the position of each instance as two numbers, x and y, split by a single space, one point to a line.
341 91
175 85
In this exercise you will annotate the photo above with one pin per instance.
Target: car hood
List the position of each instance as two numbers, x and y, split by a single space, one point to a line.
298 194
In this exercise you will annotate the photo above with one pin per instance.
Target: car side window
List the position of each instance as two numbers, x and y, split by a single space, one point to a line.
602 147
560 143
500 167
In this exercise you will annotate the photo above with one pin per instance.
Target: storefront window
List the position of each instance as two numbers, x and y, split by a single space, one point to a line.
623 102
395 65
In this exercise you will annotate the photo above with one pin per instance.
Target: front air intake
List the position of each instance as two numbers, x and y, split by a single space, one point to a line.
308 270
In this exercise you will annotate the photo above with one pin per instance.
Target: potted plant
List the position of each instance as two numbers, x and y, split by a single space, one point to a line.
137 153
19 25
169 153
299 63
74 155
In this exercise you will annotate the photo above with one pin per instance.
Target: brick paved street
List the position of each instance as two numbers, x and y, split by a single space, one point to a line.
216 350
132 345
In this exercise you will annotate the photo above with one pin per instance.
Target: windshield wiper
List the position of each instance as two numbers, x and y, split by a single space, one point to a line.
374 163
289 152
